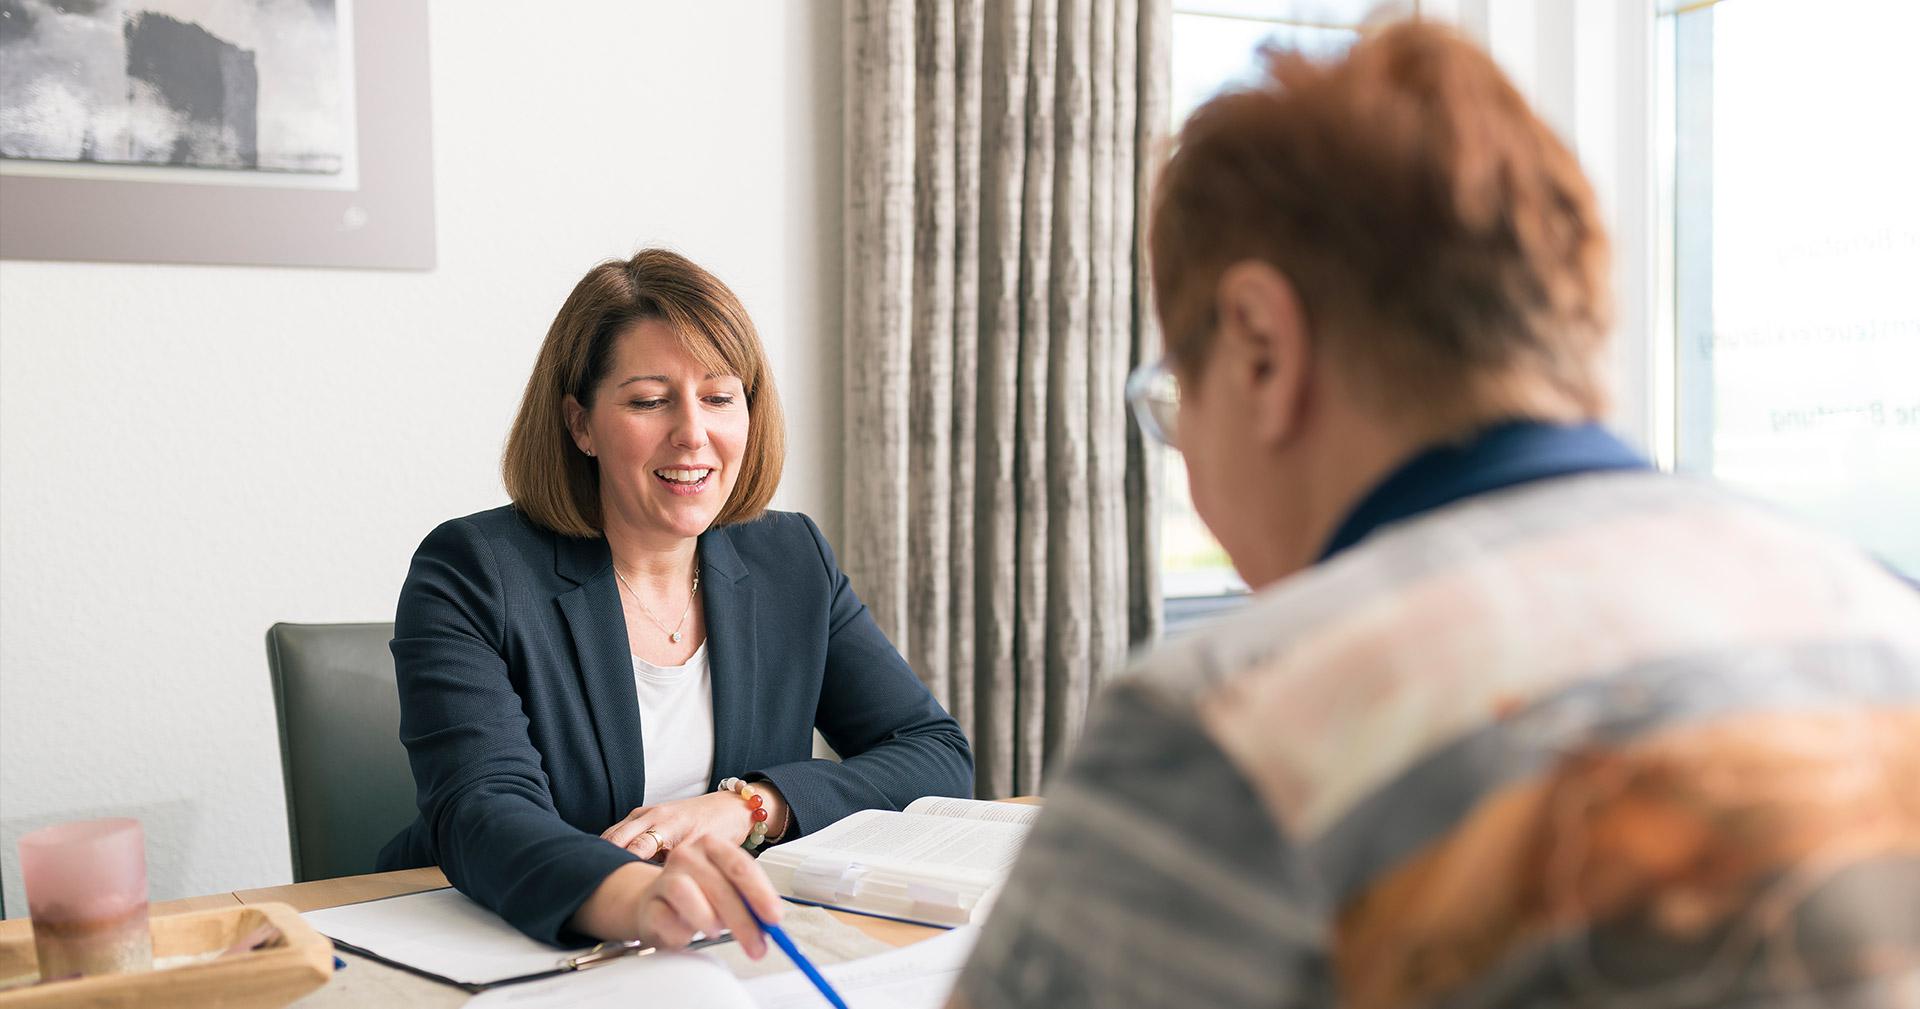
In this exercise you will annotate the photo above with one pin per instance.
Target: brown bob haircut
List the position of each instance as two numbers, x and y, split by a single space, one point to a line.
1441 238
558 486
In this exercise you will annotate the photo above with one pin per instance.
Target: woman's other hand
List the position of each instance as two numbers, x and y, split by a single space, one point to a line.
651 830
706 886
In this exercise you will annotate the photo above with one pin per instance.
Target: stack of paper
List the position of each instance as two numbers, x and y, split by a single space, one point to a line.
938 862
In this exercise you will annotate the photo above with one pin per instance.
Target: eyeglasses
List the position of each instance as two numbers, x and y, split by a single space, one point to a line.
1154 394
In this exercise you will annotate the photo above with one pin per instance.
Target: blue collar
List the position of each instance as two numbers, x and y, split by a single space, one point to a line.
1507 455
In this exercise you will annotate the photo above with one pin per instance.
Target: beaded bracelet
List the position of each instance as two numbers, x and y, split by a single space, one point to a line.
756 805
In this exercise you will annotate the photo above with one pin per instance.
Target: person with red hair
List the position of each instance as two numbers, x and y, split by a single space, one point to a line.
1511 719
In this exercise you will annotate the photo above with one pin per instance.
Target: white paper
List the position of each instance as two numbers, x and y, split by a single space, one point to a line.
938 847
441 932
658 979
825 939
920 976
974 809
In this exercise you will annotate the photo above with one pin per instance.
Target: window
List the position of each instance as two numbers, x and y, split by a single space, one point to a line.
1792 258
1216 45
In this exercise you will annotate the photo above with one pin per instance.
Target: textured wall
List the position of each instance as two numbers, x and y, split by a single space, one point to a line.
188 454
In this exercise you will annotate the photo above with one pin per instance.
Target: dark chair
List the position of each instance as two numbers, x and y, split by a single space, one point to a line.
349 787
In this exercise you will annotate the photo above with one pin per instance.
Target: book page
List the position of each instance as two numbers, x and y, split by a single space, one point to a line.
938 870
974 809
934 846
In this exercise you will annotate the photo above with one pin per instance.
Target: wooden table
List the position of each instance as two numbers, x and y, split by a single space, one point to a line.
323 893
366 982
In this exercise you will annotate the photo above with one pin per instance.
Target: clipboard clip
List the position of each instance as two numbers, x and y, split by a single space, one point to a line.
606 952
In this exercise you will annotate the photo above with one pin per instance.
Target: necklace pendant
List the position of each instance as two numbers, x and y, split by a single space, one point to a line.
674 637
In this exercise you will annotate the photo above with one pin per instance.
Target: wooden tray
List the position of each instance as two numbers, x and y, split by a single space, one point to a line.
287 967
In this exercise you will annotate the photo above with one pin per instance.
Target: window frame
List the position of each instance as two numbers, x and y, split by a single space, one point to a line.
1589 70
1183 612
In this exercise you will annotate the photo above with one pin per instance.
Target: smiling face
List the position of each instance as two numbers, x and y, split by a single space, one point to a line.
668 433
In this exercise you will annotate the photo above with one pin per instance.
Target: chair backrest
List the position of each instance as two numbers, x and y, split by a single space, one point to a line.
349 787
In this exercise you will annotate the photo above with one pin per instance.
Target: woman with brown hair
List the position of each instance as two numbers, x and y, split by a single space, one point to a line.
629 661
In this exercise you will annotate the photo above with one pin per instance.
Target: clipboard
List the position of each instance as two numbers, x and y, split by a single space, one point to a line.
442 936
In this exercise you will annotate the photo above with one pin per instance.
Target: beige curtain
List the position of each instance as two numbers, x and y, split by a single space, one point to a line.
999 516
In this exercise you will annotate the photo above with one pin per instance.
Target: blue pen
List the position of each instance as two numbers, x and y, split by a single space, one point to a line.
779 937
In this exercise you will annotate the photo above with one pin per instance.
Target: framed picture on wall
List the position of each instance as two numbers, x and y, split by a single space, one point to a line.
252 132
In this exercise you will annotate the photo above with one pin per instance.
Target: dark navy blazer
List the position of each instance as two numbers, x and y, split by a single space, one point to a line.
518 711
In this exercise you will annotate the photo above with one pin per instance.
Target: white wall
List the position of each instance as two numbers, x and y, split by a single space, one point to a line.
189 454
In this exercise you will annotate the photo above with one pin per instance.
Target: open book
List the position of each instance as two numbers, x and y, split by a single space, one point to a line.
938 862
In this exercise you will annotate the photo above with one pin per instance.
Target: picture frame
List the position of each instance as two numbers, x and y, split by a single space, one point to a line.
383 220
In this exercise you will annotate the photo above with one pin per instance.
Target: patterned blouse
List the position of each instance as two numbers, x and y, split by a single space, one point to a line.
1610 740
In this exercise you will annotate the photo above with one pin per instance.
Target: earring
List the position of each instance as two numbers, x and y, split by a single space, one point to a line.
590 453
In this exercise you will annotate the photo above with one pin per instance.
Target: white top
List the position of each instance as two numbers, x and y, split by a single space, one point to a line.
676 726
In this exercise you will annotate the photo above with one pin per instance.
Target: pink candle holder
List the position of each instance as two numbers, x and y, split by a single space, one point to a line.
87 894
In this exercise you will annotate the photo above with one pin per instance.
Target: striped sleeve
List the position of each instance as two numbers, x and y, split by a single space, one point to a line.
1154 877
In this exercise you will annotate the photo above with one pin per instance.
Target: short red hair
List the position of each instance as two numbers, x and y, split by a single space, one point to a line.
1440 236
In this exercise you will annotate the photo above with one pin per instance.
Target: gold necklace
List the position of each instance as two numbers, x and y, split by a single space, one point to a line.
673 634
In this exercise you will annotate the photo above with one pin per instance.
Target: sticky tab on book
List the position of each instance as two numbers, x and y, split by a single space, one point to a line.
933 903
828 881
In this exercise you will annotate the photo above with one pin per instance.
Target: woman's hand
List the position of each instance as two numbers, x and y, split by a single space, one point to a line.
651 830
706 886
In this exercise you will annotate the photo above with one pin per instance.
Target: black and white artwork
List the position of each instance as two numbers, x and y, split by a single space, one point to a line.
232 84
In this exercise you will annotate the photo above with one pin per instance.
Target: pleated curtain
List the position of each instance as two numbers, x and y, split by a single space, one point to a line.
999 515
